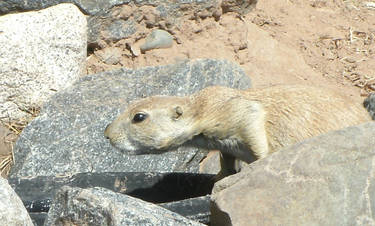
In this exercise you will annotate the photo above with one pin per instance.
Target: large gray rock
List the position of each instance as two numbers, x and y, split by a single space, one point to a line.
12 211
41 52
326 180
99 206
67 137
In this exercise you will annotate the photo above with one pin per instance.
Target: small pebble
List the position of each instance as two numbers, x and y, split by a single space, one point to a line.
157 39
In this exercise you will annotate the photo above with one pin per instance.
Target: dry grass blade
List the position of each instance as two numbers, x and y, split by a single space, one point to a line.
5 164
15 127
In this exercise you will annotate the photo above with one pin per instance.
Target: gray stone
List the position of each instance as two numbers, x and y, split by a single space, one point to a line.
124 21
157 39
12 211
87 6
239 6
369 104
109 28
41 52
67 137
38 218
99 206
326 180
148 186
190 190
120 29
196 209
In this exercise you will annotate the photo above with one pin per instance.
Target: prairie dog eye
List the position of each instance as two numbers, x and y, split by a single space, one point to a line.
139 117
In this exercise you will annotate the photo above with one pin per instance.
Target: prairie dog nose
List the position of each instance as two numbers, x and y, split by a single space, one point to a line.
107 131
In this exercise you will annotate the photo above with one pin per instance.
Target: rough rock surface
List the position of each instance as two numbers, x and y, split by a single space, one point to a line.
67 137
326 180
35 66
100 7
239 6
148 186
369 104
100 206
196 209
183 193
123 21
157 39
12 211
87 6
211 164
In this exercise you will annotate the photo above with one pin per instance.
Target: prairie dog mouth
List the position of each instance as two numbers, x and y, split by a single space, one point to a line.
130 149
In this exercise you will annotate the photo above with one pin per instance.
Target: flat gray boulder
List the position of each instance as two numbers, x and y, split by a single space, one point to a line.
67 137
326 180
41 53
12 210
100 206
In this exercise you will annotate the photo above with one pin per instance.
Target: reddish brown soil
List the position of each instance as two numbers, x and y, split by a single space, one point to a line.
322 43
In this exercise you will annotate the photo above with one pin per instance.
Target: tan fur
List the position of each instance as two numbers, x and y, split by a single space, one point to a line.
242 124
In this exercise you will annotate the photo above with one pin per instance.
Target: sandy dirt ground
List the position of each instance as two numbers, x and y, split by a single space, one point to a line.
322 43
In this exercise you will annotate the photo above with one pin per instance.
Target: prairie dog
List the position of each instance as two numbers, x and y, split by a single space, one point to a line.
245 125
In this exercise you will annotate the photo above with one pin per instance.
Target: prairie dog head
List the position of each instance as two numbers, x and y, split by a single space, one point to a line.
151 125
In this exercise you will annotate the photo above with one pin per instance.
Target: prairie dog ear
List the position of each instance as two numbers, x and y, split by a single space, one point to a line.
177 112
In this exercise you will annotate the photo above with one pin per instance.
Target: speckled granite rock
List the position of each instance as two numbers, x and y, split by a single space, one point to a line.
41 53
183 193
12 211
67 137
87 6
99 206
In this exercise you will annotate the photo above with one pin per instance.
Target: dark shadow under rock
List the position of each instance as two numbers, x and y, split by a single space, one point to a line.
166 188
151 187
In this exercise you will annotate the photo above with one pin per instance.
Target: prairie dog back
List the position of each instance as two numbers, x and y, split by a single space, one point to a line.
243 125
295 113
